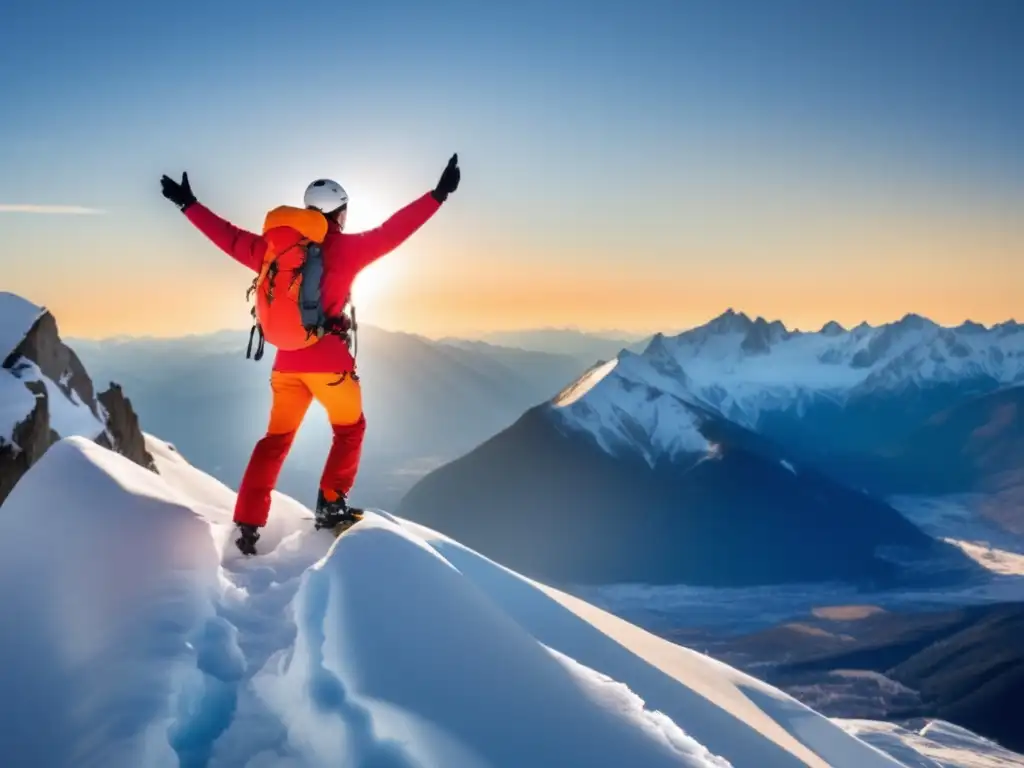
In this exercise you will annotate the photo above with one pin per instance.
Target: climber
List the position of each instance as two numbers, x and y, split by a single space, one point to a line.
311 362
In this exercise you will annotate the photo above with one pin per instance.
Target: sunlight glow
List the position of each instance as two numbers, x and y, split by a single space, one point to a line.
584 384
365 212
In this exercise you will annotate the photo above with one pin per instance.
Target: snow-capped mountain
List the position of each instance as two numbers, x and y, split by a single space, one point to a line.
145 639
618 481
702 454
46 394
833 390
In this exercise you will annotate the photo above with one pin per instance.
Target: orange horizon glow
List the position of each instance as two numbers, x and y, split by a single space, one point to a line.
795 259
504 299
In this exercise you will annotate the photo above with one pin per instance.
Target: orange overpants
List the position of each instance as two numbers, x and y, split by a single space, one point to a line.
341 397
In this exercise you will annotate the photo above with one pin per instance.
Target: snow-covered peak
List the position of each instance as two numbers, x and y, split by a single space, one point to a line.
46 394
584 383
145 639
765 352
832 328
745 368
17 316
730 321
634 405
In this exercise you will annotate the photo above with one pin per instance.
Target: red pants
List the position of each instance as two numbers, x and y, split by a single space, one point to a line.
341 396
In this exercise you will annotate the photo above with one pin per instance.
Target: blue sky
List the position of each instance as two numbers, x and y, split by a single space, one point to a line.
605 146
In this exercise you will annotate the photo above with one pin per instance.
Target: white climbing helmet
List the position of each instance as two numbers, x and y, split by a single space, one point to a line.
325 195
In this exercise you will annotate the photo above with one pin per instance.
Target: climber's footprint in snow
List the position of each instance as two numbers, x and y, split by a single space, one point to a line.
283 556
253 622
208 706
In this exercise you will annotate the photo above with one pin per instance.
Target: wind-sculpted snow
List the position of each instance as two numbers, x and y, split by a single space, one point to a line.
107 574
421 668
136 635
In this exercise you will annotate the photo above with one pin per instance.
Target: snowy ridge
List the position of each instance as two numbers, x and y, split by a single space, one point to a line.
147 640
630 405
744 368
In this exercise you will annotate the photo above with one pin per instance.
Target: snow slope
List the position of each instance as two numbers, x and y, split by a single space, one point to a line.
936 745
626 403
136 635
745 368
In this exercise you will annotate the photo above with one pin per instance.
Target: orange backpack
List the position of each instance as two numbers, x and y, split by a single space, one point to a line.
288 310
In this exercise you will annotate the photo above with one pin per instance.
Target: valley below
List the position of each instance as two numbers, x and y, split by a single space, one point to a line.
898 655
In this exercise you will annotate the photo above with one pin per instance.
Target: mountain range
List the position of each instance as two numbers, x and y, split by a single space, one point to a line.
688 461
425 402
715 454
835 390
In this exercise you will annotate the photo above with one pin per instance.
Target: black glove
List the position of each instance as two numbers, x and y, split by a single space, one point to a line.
179 194
449 180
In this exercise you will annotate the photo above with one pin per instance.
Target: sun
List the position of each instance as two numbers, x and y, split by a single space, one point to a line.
373 282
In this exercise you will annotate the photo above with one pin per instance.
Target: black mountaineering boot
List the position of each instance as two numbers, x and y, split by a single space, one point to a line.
248 536
336 515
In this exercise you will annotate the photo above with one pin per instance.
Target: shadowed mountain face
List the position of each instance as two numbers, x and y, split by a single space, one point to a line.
978 444
975 446
550 501
700 453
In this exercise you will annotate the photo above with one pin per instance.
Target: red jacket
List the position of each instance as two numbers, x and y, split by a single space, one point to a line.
345 256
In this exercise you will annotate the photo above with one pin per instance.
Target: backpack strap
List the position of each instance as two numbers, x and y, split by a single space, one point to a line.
256 328
354 331
311 308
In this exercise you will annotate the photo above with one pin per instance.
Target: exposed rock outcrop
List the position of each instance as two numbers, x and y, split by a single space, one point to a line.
31 439
57 361
123 426
65 401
